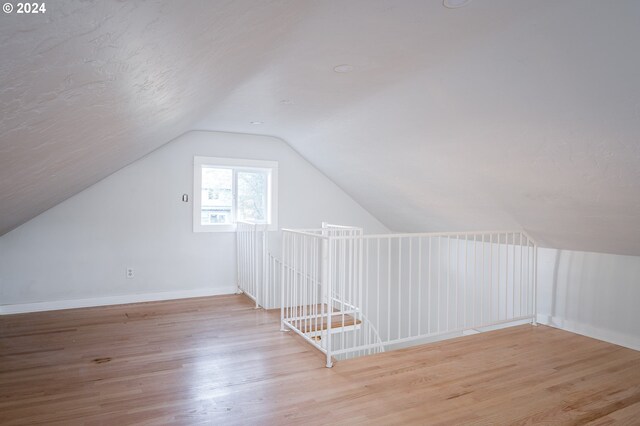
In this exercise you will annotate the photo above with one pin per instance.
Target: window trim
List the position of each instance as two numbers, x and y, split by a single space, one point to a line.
236 164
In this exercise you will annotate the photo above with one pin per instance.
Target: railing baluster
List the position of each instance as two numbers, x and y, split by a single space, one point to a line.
317 248
490 277
513 281
506 277
410 284
295 303
475 282
499 248
305 290
429 292
329 292
378 319
283 285
521 284
535 284
466 273
457 299
446 305
529 280
365 288
344 278
419 286
399 288
389 289
438 285
482 284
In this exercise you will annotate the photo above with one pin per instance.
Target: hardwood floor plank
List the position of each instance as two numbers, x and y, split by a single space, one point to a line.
217 360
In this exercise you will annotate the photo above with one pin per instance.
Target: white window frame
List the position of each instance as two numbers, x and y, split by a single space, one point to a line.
236 164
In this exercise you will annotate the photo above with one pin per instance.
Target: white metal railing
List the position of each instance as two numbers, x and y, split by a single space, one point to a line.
350 294
258 270
252 260
271 284
321 313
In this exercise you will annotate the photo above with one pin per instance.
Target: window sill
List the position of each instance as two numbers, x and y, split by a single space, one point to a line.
225 228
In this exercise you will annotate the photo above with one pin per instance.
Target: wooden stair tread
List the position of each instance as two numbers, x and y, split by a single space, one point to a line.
336 322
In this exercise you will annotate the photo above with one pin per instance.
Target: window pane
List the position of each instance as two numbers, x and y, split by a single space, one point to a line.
252 196
217 196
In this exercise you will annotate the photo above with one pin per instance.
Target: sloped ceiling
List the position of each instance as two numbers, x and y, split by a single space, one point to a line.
500 114
90 86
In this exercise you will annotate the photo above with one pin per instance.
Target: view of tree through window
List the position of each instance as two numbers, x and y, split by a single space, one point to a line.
252 196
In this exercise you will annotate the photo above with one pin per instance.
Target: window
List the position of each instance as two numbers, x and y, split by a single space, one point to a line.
227 190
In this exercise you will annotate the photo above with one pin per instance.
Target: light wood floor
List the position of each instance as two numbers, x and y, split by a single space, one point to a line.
218 361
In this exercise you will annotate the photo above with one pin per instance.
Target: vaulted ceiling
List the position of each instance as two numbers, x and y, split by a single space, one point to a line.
499 114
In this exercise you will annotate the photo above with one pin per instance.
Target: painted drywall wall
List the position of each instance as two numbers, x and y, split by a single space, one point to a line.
135 218
594 294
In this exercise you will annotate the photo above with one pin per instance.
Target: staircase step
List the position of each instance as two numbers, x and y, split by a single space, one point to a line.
337 321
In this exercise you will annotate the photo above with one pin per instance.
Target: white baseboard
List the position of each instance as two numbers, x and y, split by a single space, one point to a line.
617 338
113 300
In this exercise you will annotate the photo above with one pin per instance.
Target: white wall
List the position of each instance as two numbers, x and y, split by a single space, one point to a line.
135 218
594 294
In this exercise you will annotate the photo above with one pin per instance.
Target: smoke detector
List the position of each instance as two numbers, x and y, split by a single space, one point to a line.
455 4
343 68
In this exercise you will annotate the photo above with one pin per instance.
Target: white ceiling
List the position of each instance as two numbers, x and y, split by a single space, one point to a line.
501 114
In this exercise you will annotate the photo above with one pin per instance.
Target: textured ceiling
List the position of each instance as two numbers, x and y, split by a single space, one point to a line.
501 114
90 86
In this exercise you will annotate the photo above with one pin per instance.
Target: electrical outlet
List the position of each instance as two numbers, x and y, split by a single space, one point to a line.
130 273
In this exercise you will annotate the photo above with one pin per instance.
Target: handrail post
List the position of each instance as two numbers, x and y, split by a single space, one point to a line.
265 268
282 285
535 285
238 236
255 265
327 290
